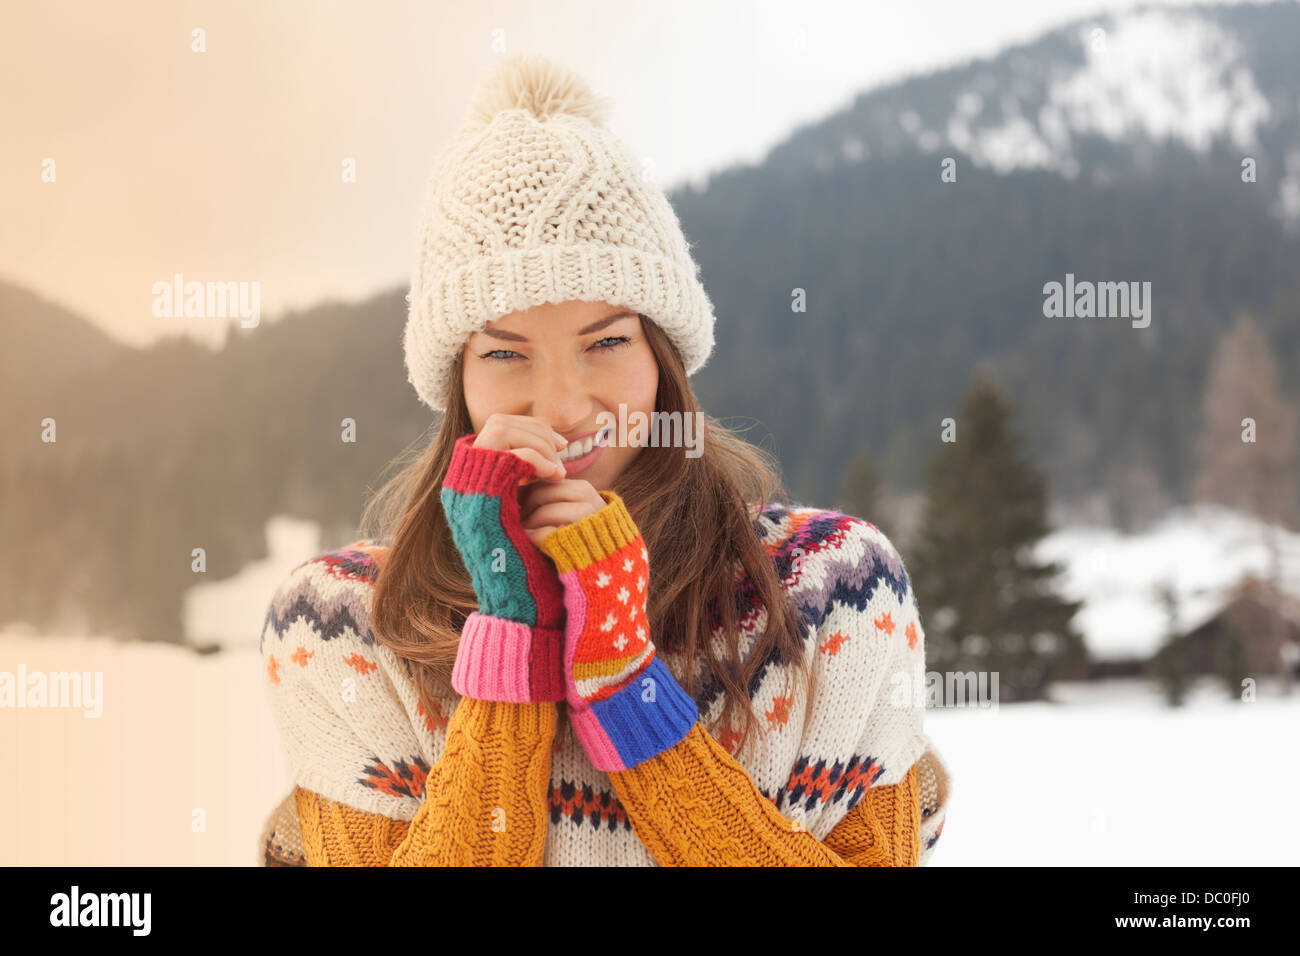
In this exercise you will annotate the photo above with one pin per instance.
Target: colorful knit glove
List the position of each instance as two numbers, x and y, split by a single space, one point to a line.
512 647
624 705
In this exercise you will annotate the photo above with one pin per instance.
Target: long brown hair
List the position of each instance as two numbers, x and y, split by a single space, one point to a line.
694 515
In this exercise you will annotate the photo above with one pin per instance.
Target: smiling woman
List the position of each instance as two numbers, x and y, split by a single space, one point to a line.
554 655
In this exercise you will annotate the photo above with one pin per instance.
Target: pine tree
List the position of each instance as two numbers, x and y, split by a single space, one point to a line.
986 603
1247 450
1250 466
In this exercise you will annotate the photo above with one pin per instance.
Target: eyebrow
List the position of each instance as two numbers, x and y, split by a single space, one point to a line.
594 327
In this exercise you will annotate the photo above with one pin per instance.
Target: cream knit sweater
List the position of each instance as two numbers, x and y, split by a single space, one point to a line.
353 731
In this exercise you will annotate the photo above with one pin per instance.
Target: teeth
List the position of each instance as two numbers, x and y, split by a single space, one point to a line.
578 449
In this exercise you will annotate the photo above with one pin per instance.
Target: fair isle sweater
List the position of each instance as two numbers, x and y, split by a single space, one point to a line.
848 779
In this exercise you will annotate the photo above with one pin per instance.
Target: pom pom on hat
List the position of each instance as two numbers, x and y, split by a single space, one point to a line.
541 86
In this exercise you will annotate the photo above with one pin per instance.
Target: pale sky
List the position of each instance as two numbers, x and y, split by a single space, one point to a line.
225 165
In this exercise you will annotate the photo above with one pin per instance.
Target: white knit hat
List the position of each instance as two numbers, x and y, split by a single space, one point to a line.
535 201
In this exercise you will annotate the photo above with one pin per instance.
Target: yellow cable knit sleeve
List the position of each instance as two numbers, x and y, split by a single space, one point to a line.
884 829
694 805
484 801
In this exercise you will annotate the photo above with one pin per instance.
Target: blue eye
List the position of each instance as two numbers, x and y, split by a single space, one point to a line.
619 342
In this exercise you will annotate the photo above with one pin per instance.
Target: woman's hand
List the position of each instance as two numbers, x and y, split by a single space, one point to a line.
547 500
547 505
525 437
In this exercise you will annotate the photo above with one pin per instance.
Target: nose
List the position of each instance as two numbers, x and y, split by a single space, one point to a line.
562 399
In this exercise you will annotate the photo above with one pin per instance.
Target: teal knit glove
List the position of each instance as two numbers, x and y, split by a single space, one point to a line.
512 647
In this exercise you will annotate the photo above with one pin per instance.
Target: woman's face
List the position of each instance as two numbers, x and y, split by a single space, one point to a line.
565 363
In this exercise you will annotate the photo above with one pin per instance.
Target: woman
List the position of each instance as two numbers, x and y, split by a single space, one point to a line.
573 641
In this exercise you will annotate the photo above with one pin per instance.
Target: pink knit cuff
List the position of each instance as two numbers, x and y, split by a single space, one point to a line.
595 741
505 660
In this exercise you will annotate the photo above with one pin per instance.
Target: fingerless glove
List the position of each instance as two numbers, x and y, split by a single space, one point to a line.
624 705
511 648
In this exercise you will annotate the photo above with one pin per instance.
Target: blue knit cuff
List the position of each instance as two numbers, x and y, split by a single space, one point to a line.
626 729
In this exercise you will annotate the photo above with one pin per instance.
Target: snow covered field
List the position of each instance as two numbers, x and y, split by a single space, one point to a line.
1106 776
1110 776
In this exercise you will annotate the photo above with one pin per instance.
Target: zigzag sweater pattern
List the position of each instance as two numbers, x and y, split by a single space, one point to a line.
853 780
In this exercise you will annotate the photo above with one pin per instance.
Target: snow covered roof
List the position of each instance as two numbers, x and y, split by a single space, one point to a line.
1203 551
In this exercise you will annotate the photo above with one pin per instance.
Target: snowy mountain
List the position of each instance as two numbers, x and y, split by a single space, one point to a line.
1156 146
1102 98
